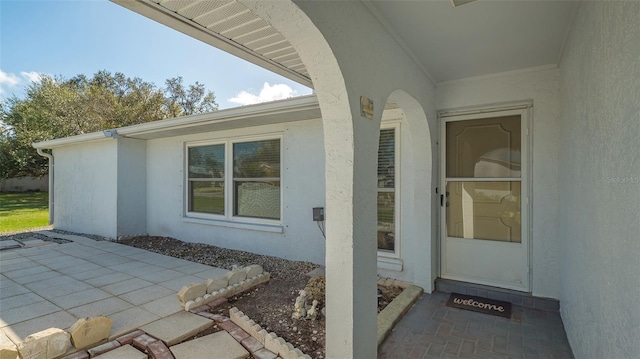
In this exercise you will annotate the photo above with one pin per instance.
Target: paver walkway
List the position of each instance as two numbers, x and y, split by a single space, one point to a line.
53 285
433 330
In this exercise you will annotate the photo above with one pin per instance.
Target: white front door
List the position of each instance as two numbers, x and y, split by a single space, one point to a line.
484 199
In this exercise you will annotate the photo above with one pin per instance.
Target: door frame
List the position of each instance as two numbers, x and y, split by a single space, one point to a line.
525 110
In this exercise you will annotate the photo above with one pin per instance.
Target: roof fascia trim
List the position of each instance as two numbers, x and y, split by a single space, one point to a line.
233 114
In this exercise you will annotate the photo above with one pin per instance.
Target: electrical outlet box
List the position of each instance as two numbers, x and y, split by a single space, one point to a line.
318 214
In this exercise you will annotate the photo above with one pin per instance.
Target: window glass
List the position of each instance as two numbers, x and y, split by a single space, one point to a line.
257 159
206 179
481 148
386 190
206 161
256 179
484 210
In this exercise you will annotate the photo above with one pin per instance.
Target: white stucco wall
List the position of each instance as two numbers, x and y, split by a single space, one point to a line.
302 188
541 85
132 181
600 181
373 64
349 54
85 188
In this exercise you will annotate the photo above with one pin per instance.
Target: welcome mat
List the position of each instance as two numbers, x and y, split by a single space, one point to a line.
482 305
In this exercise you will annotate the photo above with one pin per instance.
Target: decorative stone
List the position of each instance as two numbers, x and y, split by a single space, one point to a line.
128 338
235 276
49 343
142 342
124 352
265 354
177 327
273 343
8 349
251 344
90 331
190 305
300 310
253 270
191 292
158 350
215 284
225 348
313 311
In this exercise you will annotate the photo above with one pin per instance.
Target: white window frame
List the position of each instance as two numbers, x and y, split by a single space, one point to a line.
229 217
382 253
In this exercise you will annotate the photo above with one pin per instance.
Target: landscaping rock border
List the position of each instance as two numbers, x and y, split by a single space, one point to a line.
234 282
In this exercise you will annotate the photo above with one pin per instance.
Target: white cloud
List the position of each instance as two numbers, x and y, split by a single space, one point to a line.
267 93
8 80
31 76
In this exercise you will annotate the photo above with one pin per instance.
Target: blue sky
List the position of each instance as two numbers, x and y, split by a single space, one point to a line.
68 38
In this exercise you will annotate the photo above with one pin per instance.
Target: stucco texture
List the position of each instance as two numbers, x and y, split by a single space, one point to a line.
85 191
599 181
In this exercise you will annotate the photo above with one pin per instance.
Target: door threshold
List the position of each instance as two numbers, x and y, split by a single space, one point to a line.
507 295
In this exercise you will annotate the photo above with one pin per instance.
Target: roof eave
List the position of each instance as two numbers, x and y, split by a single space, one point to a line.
159 14
301 103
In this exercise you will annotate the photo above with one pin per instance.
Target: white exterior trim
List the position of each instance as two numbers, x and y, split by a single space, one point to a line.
384 255
481 112
296 109
228 218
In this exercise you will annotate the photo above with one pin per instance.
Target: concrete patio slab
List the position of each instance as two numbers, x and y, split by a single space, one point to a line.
126 286
147 294
177 327
90 274
226 348
107 279
27 312
104 307
37 277
129 320
164 306
177 283
60 319
79 298
35 269
21 300
12 290
9 244
161 275
34 242
124 352
54 285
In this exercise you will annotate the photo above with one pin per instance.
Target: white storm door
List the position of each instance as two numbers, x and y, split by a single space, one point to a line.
485 199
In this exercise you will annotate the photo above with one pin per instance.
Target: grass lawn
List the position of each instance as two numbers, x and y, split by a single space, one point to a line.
23 211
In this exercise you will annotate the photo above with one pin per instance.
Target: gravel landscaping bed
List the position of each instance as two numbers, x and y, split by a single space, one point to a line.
270 304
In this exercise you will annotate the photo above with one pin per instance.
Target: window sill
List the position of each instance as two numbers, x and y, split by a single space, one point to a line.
261 227
394 264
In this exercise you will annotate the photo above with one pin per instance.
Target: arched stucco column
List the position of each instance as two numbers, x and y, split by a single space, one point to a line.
351 144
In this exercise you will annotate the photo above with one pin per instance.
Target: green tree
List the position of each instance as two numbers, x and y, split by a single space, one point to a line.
189 101
56 108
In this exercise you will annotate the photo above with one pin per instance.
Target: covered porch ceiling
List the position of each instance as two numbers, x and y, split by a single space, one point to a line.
480 38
